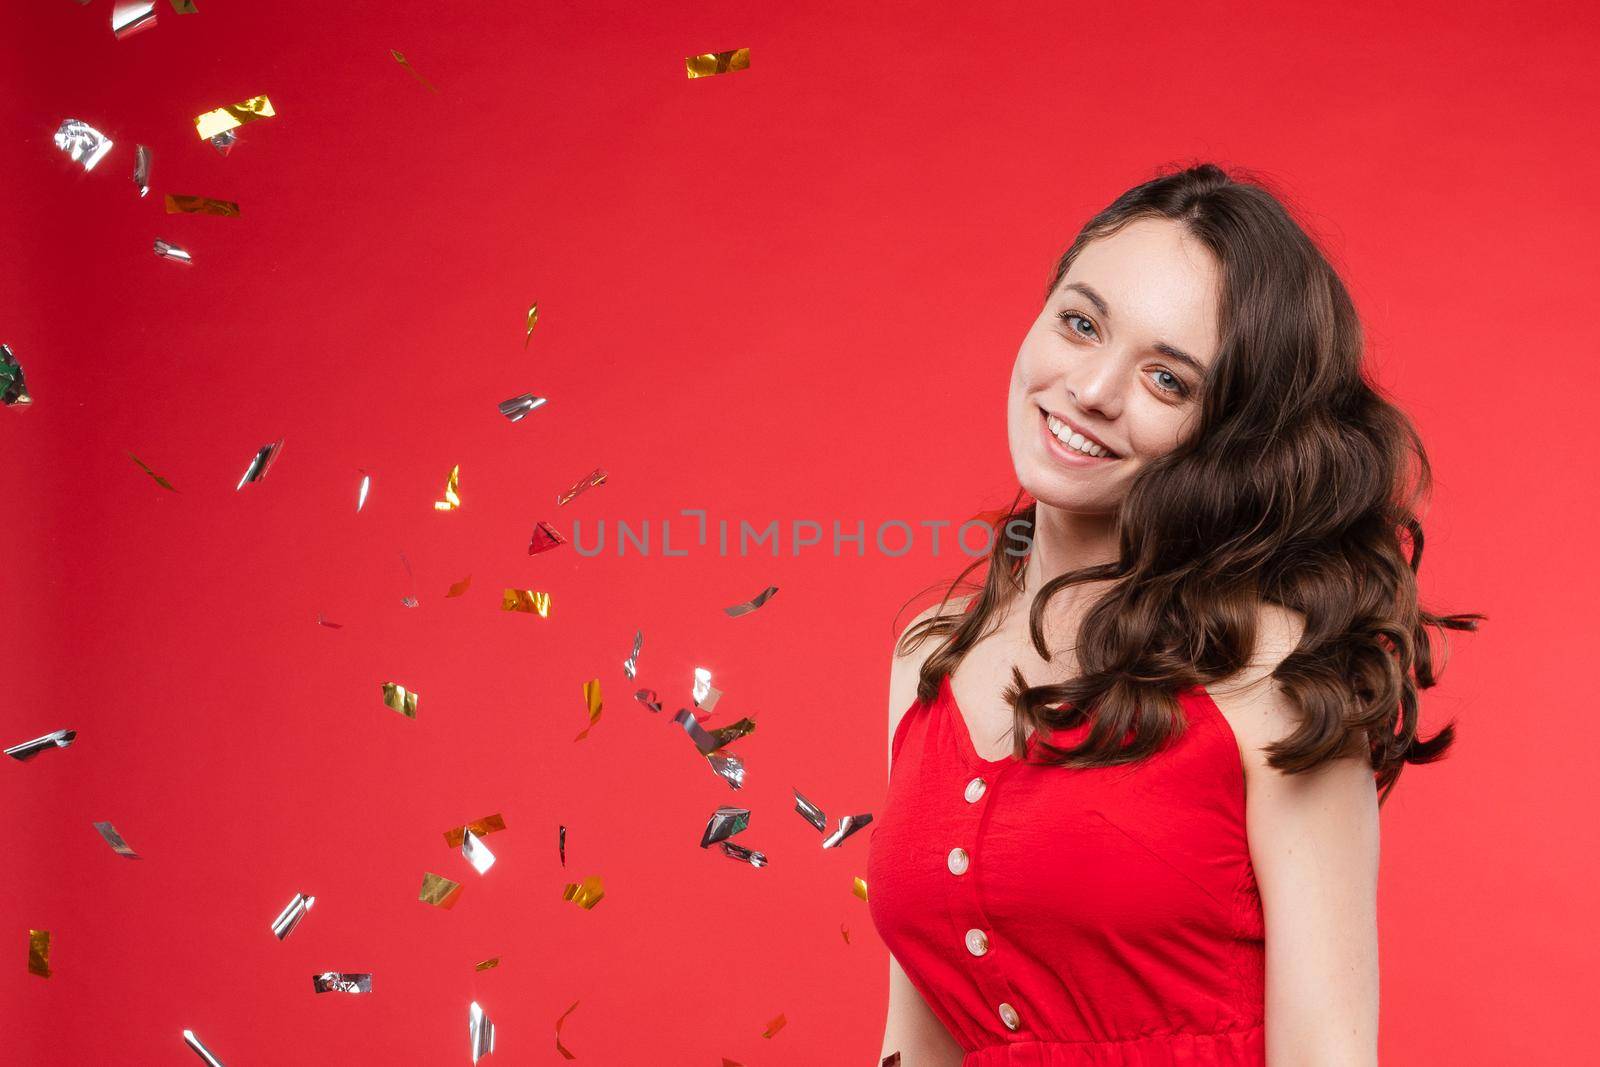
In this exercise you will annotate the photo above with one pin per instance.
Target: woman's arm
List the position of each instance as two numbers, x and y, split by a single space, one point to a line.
1314 845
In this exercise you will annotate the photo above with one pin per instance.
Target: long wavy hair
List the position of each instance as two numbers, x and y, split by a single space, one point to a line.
1300 487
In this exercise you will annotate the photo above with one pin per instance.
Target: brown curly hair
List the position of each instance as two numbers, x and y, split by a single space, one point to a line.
1299 487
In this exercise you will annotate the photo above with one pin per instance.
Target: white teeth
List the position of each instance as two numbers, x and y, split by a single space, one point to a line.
1075 441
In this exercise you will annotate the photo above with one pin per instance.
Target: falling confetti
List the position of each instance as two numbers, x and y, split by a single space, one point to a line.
361 494
452 499
519 406
533 320
224 141
485 826
630 666
397 697
82 142
200 1050
173 252
724 823
562 846
705 694
594 477
709 63
488 964
128 18
406 63
545 538
141 168
860 888
647 697
750 605
265 455
439 891
845 930
591 697
527 601
200 205
586 894
475 852
480 1031
231 117
162 482
775 1024
39 953
290 916
13 393
565 1052
114 839
29 749
848 824
457 588
185 7
340 982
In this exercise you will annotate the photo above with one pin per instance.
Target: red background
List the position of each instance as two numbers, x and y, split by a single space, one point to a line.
792 292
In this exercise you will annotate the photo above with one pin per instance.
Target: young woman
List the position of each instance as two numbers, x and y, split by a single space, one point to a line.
1213 554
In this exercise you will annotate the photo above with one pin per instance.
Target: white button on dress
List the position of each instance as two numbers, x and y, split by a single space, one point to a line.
975 790
957 861
977 942
1008 1015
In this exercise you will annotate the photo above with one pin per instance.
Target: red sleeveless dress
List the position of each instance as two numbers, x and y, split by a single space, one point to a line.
1054 917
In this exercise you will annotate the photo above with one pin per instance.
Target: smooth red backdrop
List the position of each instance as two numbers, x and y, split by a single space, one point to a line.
793 292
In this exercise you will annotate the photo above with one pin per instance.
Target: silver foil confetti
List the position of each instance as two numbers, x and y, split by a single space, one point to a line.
519 406
750 605
630 666
705 694
340 982
13 391
224 141
594 477
290 916
361 497
82 142
739 852
812 813
114 839
728 767
131 16
141 168
29 749
848 824
475 852
647 697
480 1030
261 464
723 824
697 733
200 1050
173 252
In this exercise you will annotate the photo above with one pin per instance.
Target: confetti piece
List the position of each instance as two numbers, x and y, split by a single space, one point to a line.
322 620
728 767
485 826
290 916
723 824
265 455
845 930
408 602
82 142
811 812
630 666
488 964
452 499
439 891
519 406
545 538
162 482
39 953
129 18
563 846
775 1024
705 694
233 116
13 393
848 824
340 982
224 141
173 252
591 697
709 63
361 494
29 749
731 1063
397 697
860 888
184 7
406 63
475 852
480 1031
586 894
594 477
533 320
457 588
114 839
527 601
141 168
200 205
200 1050
647 697
750 605
565 1052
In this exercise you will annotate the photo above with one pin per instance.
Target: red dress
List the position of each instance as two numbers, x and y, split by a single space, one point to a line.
1054 917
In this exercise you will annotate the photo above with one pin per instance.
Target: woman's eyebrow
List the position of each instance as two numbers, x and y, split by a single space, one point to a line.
1095 298
1170 351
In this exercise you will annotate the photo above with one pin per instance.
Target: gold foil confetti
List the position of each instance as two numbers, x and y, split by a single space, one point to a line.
130 16
705 694
39 953
396 696
545 538
723 735
709 63
488 964
475 852
406 63
114 839
200 1050
141 168
361 494
533 320
845 930
630 666
565 1052
265 455
82 142
485 826
452 499
200 205
162 482
519 406
860 888
586 894
29 749
480 1032
457 588
750 605
173 252
341 982
594 477
291 915
527 601
775 1024
439 891
185 7
591 697
13 392
216 121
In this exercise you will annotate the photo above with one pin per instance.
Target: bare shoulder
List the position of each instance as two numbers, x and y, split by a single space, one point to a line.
906 669
1254 704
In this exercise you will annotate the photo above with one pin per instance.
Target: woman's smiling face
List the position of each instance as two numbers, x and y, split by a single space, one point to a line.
1118 353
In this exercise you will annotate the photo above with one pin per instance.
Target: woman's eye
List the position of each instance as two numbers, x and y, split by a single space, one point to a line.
1069 316
1177 387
